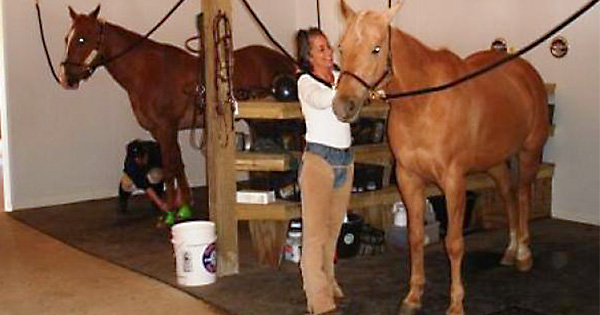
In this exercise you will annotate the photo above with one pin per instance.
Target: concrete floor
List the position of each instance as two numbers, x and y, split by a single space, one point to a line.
40 275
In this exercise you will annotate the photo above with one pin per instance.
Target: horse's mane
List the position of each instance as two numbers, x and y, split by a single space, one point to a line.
128 34
133 37
427 54
416 45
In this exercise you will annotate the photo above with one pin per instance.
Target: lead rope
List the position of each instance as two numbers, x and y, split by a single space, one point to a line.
318 15
223 71
199 97
41 27
146 36
380 94
104 62
266 31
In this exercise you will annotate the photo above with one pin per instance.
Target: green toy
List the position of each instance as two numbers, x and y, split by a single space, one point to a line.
184 213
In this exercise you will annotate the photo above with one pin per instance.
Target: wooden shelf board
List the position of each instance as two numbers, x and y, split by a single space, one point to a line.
378 153
390 195
281 162
378 109
276 162
286 210
268 108
279 210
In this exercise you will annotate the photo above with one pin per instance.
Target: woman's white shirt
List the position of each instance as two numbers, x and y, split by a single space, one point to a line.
321 124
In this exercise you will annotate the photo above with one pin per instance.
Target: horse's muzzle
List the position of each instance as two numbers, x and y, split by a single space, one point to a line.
346 109
67 80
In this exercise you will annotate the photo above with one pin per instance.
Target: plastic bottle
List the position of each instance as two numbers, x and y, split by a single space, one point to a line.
399 211
293 246
292 250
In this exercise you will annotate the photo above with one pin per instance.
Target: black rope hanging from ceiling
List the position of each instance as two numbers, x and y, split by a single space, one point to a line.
318 14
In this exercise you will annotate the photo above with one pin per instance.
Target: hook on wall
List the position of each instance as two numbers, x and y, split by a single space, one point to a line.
559 47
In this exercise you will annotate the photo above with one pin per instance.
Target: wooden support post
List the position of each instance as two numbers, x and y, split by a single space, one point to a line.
220 162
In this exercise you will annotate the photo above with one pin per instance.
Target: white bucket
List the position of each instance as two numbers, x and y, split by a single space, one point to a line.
195 252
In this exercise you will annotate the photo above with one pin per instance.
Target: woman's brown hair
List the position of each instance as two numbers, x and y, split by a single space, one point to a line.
303 44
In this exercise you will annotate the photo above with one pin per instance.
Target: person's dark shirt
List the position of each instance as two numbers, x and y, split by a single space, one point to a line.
138 173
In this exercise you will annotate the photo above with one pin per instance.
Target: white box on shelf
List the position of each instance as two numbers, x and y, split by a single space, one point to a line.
255 196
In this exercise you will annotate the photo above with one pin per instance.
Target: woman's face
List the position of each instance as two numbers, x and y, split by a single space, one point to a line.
321 55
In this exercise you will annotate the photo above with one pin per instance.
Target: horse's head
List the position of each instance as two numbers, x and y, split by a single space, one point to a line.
364 58
83 42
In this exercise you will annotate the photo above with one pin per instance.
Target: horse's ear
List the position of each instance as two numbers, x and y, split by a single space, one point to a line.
347 11
72 13
391 12
95 13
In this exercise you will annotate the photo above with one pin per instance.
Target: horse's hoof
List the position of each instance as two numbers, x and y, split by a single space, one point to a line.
337 292
524 265
507 260
409 309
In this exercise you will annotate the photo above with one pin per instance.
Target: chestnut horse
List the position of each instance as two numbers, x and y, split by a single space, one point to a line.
440 137
162 82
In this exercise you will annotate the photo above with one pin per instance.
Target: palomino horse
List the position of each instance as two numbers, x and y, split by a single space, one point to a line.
440 137
161 81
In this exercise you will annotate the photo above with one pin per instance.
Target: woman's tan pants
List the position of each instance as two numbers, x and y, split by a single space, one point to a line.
323 212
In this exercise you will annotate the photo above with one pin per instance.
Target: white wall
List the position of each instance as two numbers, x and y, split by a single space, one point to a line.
466 26
67 146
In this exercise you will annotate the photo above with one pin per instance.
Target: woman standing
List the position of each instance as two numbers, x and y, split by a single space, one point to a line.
326 174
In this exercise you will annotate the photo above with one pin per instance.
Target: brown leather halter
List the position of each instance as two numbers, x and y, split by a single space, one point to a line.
89 68
373 89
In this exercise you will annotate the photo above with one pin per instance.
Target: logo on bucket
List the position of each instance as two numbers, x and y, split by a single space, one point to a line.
187 262
209 258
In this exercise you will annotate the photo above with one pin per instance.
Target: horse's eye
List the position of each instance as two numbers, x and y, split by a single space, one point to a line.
376 50
81 40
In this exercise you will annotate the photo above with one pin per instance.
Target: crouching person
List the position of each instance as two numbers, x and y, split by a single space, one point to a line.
142 171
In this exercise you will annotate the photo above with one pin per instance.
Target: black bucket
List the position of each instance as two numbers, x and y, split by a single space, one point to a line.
348 242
